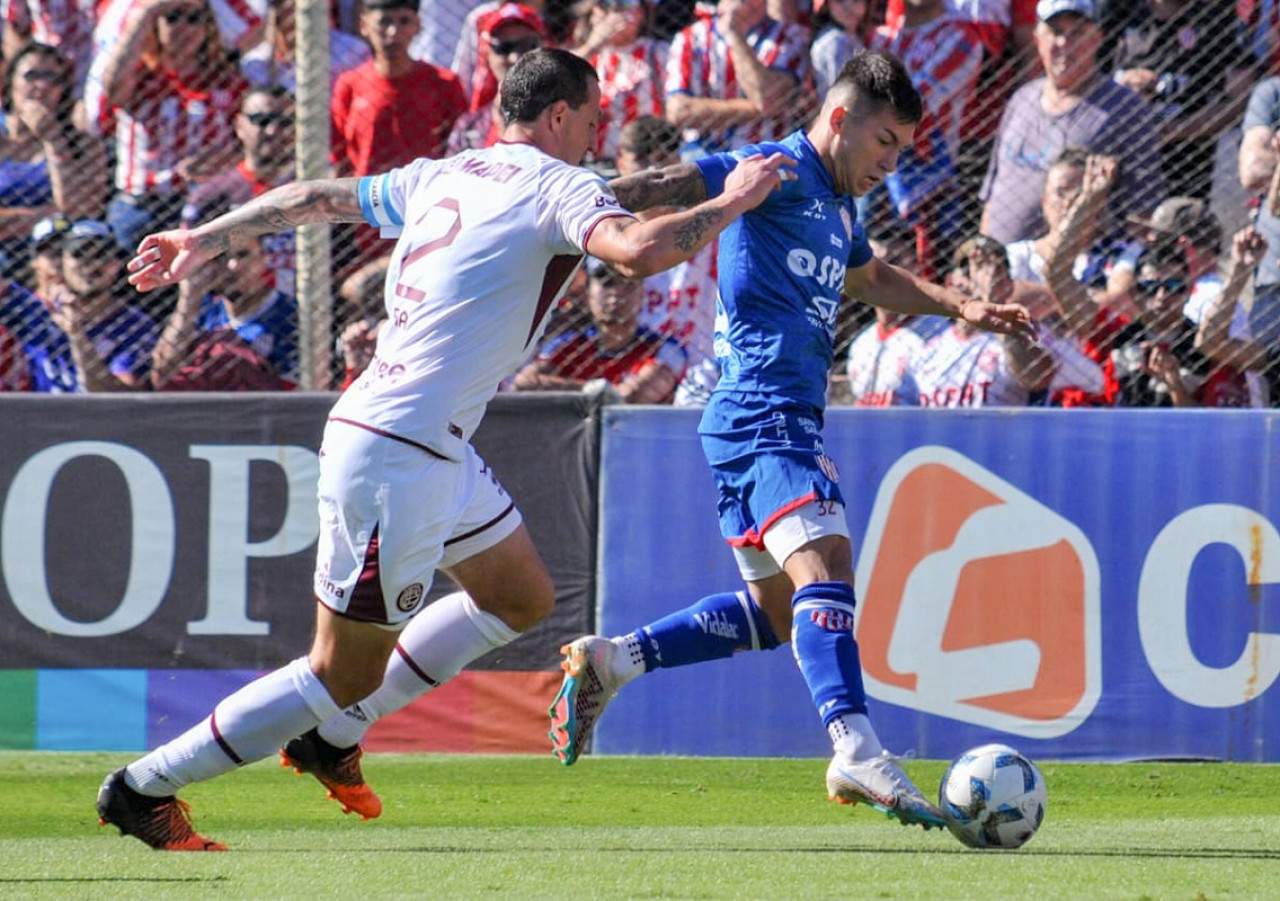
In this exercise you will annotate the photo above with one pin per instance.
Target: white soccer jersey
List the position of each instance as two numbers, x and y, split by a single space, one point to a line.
878 366
956 370
490 240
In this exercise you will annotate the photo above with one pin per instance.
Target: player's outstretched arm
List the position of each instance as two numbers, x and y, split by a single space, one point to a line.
677 185
894 288
166 258
638 249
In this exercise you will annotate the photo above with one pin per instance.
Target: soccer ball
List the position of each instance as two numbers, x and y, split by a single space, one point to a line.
992 797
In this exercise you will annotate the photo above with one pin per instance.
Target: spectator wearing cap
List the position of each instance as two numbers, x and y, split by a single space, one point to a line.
737 77
46 258
173 94
231 329
265 129
1188 222
1156 358
93 339
393 108
47 164
507 33
1182 57
631 66
468 53
642 366
1073 105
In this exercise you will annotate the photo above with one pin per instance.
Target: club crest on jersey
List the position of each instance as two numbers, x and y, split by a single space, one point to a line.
847 220
828 467
409 599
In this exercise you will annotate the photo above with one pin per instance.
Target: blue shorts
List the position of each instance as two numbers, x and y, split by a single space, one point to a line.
767 459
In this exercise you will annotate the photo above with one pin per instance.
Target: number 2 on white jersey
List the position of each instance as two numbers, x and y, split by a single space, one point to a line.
441 222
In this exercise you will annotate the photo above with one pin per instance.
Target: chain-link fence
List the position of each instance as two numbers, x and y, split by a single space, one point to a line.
1117 159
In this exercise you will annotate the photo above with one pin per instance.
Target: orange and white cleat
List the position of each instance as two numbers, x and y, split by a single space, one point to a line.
589 685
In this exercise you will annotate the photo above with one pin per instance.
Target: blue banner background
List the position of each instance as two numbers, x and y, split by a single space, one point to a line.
1121 477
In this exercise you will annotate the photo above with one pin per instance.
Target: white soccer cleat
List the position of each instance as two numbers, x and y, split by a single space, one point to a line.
588 687
882 784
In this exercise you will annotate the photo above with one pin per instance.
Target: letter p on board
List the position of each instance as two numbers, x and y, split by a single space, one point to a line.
976 601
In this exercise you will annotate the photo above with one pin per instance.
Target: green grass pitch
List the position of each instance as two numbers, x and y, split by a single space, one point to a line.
642 828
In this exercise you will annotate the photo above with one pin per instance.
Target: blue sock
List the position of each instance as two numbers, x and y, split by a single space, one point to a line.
715 627
822 640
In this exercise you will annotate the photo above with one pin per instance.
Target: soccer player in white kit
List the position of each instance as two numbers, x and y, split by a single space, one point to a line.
489 241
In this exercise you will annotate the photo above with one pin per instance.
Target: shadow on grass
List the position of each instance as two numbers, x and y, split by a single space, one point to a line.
55 880
1147 853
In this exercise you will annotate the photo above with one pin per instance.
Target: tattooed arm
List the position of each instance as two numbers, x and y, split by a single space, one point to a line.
678 185
638 249
168 257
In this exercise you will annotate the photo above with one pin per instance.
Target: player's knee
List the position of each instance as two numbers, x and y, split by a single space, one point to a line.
529 605
349 681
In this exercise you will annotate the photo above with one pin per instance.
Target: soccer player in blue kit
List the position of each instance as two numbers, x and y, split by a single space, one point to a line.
782 269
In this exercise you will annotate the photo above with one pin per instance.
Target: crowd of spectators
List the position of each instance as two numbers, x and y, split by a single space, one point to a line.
1074 156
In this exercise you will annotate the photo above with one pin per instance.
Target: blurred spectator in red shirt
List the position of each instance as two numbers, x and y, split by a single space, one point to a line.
393 108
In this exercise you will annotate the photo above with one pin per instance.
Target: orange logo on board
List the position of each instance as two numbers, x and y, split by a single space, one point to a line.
976 601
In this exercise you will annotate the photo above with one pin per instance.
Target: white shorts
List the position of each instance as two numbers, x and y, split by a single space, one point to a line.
787 535
391 514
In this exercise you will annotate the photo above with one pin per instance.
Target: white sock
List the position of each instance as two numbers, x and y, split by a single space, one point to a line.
433 648
853 735
245 726
628 662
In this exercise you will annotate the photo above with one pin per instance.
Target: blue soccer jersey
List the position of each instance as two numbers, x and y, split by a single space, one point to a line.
271 330
781 273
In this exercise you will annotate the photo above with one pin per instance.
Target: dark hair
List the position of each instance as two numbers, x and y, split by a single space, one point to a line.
542 78
1164 253
880 78
270 91
66 104
649 136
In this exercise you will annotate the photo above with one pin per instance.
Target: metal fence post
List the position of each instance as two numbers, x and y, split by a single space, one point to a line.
315 308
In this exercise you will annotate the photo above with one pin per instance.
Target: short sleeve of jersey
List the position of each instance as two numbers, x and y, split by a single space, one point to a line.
1264 105
383 197
715 168
715 171
572 202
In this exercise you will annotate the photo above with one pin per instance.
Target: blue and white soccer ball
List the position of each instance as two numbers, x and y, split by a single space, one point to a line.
992 797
